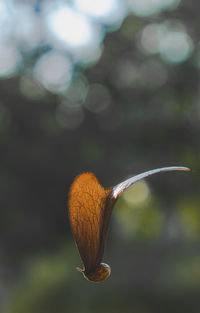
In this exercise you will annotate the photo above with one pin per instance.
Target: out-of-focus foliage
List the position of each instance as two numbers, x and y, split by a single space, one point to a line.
120 99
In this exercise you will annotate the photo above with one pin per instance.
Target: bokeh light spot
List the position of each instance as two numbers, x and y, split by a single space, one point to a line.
144 223
69 26
69 117
151 36
155 69
78 90
10 59
5 17
96 8
107 11
30 88
175 47
98 99
54 71
124 73
137 193
27 28
150 7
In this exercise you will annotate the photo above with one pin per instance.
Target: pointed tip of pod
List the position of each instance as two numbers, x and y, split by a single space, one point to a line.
181 168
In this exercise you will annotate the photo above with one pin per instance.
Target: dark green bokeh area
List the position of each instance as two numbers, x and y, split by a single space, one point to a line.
131 112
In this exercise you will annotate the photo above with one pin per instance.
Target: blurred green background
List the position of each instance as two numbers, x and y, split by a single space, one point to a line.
110 87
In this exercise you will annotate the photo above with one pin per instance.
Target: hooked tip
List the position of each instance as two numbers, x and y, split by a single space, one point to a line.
182 168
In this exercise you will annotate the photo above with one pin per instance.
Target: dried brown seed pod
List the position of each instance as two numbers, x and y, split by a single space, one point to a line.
90 208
